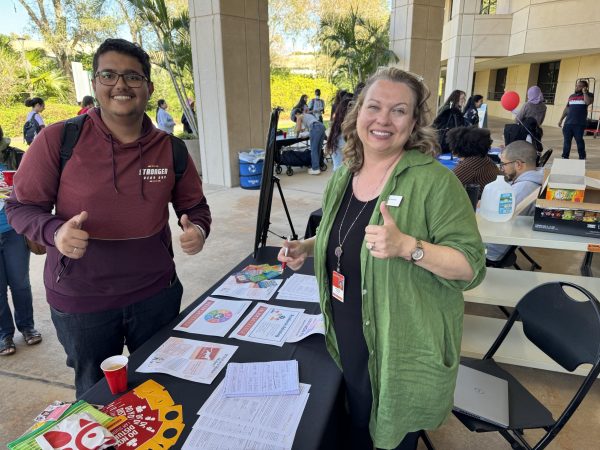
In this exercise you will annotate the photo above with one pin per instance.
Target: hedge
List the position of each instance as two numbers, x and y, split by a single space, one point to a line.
286 90
13 118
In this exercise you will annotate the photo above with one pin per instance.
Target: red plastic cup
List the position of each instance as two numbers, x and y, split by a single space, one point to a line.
8 176
284 134
115 371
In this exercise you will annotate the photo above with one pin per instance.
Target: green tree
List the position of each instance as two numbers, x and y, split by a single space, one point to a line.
171 27
11 79
356 45
67 25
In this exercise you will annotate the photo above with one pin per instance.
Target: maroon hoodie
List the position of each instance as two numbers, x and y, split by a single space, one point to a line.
126 190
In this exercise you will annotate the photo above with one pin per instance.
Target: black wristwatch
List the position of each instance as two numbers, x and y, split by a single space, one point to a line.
418 253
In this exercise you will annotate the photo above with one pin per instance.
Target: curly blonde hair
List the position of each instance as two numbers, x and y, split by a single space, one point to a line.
423 137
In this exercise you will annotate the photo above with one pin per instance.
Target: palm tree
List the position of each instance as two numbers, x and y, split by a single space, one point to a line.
357 46
175 53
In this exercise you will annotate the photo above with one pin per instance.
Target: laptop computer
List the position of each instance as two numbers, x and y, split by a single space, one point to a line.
481 396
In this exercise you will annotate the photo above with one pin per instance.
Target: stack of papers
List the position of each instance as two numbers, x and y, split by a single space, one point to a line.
189 359
300 288
262 379
257 423
263 290
275 325
255 273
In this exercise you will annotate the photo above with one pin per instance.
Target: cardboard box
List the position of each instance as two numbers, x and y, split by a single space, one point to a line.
566 217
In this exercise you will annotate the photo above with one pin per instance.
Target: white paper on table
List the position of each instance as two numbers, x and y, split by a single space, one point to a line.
267 324
257 379
306 325
250 291
191 360
280 413
199 439
214 317
298 287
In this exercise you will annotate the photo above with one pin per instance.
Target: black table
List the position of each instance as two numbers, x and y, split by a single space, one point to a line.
319 424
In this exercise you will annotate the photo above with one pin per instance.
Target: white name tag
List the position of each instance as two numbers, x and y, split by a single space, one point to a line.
394 200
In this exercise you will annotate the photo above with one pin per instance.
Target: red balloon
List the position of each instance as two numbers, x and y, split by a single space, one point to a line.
510 100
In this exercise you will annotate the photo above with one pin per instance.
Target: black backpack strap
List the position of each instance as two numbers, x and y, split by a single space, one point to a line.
70 136
180 157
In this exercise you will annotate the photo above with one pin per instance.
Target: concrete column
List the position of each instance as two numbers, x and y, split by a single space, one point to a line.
460 66
230 51
416 28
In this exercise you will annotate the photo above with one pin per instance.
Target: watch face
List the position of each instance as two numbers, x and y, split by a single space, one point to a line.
417 254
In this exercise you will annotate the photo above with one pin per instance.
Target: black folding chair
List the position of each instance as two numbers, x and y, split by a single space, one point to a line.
544 158
566 330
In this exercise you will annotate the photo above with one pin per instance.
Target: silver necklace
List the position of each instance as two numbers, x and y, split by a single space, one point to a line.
339 249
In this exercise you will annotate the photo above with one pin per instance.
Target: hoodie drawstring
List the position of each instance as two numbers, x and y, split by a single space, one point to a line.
141 171
114 167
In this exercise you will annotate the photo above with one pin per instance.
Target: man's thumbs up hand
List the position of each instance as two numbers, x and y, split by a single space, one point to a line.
70 239
192 239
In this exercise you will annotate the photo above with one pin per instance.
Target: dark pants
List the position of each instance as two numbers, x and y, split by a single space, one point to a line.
90 338
570 132
14 273
317 136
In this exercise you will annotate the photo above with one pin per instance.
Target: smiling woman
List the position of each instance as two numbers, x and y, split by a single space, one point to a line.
397 245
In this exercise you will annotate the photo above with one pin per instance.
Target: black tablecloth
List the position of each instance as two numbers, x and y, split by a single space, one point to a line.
317 427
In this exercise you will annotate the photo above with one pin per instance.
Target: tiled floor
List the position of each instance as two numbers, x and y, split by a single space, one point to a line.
37 375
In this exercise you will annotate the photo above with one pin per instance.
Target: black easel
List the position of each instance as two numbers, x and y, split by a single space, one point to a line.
268 182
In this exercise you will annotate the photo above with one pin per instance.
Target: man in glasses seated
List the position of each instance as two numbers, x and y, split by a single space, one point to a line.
109 275
518 163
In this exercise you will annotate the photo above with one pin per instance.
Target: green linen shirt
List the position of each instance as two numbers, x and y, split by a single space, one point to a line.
412 319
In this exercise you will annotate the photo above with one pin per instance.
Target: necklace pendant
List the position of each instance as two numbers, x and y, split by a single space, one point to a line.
338 251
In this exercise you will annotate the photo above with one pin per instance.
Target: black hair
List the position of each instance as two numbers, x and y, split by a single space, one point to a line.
125 48
336 125
359 87
472 100
87 100
469 141
454 98
31 102
584 82
317 91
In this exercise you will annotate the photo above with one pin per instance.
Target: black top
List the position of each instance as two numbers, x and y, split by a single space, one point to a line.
577 111
347 316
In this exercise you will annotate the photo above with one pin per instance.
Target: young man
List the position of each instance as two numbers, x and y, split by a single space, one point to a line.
317 106
110 277
517 161
576 113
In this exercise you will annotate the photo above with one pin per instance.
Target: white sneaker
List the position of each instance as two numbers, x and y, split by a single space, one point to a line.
314 172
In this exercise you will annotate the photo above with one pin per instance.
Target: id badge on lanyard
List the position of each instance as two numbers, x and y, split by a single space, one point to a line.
337 286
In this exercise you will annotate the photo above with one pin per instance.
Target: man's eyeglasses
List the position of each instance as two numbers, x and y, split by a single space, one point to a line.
501 165
110 78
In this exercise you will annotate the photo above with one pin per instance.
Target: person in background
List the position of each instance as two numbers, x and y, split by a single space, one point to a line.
449 116
317 106
301 107
335 141
316 131
184 121
575 113
37 106
339 95
14 272
534 107
471 145
470 115
518 162
110 277
87 103
391 276
164 120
